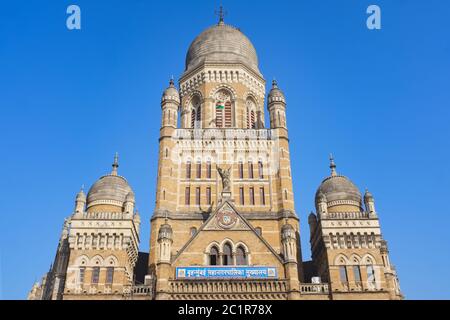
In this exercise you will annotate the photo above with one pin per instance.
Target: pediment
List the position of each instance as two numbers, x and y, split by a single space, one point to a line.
226 217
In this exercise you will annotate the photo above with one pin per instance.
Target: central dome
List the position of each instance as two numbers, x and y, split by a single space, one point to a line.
222 44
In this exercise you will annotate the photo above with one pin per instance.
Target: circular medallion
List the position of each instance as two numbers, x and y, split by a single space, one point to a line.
226 219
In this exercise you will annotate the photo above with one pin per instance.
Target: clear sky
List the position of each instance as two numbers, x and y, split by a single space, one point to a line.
378 100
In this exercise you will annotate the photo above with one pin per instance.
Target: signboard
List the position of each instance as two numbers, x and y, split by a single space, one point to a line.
226 272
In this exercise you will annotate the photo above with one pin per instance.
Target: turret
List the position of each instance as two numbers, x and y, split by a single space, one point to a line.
370 203
165 240
170 104
321 204
129 203
277 107
288 239
80 202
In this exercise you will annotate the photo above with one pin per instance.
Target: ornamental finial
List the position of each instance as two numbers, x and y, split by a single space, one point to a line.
115 164
332 166
221 13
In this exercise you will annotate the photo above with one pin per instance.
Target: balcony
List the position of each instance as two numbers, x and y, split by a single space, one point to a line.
312 288
224 134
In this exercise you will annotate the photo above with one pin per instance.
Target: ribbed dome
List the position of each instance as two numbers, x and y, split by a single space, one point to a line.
222 44
110 189
338 188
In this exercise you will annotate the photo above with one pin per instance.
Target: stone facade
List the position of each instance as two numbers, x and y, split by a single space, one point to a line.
224 199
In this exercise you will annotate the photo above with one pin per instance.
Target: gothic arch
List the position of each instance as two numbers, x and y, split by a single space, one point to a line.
82 260
368 259
341 260
111 261
97 261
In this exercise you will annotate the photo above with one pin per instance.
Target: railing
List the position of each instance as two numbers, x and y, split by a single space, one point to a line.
346 215
227 286
224 134
313 288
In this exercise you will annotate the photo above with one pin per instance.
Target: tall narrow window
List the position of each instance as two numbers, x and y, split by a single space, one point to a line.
252 196
250 170
219 114
357 273
252 119
187 196
199 113
213 256
95 275
208 170
241 196
241 257
193 117
262 196
371 274
228 115
227 255
188 170
193 231
343 274
208 195
109 275
199 170
197 196
82 275
241 170
260 169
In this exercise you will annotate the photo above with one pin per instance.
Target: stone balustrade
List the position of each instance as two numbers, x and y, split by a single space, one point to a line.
224 134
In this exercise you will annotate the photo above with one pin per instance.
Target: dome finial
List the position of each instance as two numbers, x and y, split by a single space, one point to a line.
115 164
221 13
274 83
332 166
171 82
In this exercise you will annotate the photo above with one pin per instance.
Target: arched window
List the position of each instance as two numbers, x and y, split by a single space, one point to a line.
251 119
241 257
224 112
227 255
213 256
258 231
193 231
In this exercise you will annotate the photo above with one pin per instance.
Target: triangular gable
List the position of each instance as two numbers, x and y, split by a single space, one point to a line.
226 217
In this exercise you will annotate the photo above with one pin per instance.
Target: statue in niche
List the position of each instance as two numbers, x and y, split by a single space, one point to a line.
225 175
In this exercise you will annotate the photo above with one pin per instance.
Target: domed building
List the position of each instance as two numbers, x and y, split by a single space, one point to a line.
224 224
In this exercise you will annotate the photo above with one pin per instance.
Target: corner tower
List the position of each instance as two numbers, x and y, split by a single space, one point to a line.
348 249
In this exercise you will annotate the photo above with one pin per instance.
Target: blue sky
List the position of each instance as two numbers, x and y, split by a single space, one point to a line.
378 100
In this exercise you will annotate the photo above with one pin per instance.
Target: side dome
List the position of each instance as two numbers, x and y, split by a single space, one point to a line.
222 44
109 193
339 192
275 94
171 93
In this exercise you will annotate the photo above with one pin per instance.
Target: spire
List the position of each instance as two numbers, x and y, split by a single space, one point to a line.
332 166
115 165
221 13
